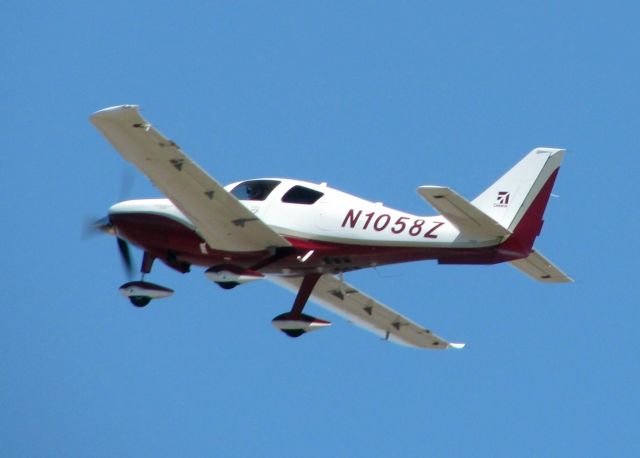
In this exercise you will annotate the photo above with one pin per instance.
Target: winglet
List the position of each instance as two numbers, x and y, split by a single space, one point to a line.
457 346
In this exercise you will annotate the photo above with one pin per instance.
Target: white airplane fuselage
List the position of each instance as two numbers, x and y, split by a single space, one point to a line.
336 233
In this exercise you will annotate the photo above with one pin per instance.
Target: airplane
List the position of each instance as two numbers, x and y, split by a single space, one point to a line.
307 236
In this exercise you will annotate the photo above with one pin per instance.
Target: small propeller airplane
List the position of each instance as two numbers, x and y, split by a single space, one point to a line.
305 236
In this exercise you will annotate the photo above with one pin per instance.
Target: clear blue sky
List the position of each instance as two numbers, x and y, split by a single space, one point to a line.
376 98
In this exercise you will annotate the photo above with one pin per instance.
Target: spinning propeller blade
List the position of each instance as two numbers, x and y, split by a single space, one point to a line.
125 254
104 226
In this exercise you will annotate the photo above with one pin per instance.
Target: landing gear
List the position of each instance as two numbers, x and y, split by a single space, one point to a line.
140 301
295 323
229 276
140 293
227 284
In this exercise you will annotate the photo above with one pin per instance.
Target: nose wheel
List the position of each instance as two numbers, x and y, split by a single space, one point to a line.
140 293
140 301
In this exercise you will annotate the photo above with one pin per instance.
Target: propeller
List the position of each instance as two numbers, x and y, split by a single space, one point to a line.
125 255
93 227
105 226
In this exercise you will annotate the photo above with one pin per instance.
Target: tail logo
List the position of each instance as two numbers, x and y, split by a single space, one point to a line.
503 199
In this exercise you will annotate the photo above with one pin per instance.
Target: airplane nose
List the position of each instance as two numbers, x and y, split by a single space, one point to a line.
92 228
104 225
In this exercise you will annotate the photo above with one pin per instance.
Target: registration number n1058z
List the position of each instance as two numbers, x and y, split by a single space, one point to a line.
415 227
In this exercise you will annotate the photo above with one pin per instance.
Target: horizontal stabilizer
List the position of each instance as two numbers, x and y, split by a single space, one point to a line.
541 269
469 219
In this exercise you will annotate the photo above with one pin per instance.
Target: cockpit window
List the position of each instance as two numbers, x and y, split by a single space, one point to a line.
301 195
254 189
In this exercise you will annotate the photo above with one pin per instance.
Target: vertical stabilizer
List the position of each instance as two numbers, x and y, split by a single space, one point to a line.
508 200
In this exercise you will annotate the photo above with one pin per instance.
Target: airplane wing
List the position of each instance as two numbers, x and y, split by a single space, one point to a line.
220 219
540 268
469 219
364 311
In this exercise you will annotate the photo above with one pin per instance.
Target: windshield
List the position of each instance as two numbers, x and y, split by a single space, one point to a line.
254 189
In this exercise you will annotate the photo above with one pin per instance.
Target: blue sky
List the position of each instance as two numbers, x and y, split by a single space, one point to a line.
376 98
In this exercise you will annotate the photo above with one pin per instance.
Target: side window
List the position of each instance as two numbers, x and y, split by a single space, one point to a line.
254 189
301 195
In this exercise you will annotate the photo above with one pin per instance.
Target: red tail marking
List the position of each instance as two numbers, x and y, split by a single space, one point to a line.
520 243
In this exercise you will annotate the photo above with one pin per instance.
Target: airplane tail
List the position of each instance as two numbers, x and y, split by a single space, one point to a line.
510 210
517 201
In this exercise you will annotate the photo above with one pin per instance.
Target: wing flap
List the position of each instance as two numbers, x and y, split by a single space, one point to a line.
218 216
364 311
540 268
470 220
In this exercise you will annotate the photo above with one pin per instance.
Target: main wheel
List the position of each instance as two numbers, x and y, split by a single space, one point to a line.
227 284
140 301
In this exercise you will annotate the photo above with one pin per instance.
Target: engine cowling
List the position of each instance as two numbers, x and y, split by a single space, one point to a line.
294 325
